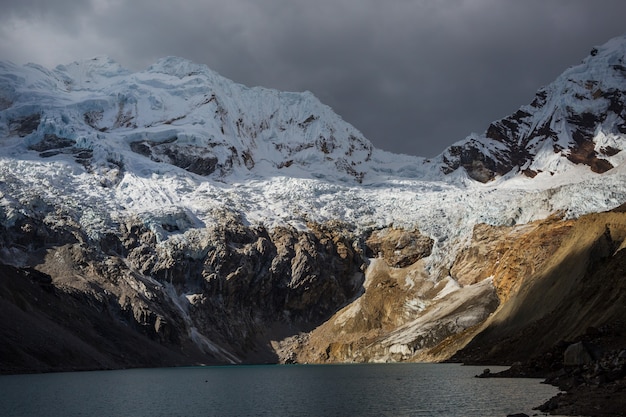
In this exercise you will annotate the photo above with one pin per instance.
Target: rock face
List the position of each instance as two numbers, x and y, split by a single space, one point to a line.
399 248
402 312
221 299
509 253
576 285
399 318
234 293
239 293
47 328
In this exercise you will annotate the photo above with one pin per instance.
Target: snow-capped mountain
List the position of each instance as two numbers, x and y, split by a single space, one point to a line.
227 221
184 114
176 142
179 113
580 118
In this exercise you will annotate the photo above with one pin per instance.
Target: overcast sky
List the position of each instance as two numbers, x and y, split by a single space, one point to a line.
413 75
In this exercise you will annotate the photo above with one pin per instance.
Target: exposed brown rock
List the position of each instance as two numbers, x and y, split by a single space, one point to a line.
346 336
513 142
401 316
564 318
575 282
399 248
584 153
509 254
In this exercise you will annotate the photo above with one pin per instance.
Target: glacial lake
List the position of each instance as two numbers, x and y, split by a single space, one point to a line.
273 390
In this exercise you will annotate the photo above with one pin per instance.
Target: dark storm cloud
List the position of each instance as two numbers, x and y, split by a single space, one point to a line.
412 75
63 13
43 7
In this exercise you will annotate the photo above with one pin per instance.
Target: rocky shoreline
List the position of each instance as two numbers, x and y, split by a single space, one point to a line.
592 378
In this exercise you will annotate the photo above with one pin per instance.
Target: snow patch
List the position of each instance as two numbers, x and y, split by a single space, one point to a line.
451 285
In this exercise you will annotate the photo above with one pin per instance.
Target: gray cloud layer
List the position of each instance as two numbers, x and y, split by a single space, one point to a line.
412 75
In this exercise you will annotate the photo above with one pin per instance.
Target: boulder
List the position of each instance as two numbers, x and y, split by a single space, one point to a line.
576 354
399 248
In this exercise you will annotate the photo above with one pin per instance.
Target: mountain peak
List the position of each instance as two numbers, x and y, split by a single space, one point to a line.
182 114
614 49
90 73
179 113
579 119
179 67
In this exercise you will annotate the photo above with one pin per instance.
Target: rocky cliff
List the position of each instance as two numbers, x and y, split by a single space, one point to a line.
220 300
562 280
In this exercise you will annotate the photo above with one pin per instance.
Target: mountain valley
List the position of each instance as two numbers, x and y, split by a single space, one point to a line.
173 217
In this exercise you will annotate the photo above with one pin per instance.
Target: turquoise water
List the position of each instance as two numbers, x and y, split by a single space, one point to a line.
272 390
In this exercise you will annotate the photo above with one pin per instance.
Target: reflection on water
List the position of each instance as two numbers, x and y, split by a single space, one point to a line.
273 390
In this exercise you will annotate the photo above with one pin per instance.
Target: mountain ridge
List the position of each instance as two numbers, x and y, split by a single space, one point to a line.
576 105
579 117
209 117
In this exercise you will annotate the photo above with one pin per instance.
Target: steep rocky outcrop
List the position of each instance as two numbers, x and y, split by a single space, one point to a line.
399 248
402 312
570 280
221 298
46 328
240 293
509 254
401 316
237 293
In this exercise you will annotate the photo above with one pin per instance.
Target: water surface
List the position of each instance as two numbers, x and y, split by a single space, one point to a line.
275 390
